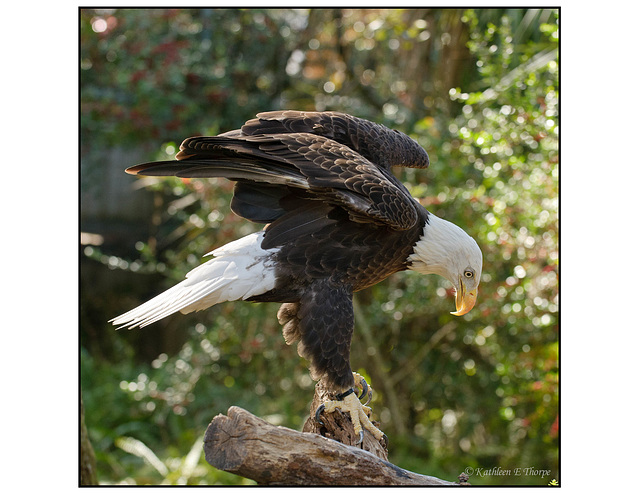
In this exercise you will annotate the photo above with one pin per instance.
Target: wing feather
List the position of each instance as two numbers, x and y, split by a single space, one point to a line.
334 158
377 143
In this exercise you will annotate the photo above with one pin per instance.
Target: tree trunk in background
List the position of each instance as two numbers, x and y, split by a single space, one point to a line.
88 471
107 193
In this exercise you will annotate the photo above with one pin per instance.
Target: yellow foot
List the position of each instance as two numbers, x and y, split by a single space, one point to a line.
359 414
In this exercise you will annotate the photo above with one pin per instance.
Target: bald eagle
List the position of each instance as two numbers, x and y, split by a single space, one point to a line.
338 221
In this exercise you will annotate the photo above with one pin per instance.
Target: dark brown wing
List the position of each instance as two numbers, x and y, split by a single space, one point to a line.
377 143
323 168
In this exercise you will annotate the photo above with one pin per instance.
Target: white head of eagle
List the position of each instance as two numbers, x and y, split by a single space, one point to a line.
446 250
337 221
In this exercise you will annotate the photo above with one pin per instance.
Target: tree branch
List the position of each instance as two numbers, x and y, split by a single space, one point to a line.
410 366
244 444
387 385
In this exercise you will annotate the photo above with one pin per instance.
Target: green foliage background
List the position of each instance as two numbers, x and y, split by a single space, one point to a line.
477 88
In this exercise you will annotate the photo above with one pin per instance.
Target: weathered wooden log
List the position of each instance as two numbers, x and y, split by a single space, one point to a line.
244 444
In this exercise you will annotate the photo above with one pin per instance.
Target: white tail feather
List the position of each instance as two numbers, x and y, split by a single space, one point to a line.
239 270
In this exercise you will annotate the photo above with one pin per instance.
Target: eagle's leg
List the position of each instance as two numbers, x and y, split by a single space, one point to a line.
325 341
348 402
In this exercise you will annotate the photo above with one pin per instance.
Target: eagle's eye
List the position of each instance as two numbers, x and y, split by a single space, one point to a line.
468 273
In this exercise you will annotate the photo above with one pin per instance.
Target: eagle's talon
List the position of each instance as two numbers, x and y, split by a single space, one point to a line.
369 396
318 413
360 438
365 389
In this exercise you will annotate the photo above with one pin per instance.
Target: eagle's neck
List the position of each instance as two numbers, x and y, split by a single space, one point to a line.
434 251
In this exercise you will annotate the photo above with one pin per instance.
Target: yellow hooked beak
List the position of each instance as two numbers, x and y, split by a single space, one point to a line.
464 301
